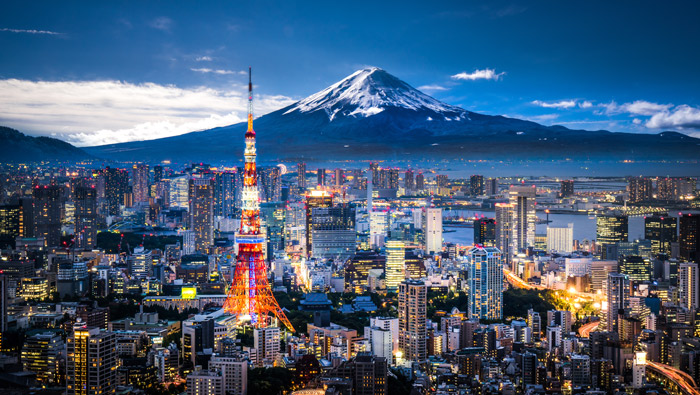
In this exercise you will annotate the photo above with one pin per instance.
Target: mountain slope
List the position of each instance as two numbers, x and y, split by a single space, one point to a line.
17 147
374 115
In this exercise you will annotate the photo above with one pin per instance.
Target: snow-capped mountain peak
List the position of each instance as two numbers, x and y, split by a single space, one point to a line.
368 92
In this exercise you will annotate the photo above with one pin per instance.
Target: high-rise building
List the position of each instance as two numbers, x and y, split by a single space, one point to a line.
662 231
485 283
48 204
204 382
675 188
267 343
610 229
179 192
234 374
560 238
41 354
433 230
339 177
476 185
91 362
599 273
491 187
395 262
524 217
116 185
301 175
85 199
314 200
420 181
321 177
639 189
409 182
157 174
689 237
412 320
365 374
504 229
534 322
580 370
529 368
688 288
202 213
485 232
567 188
225 202
636 267
333 234
441 180
11 223
618 293
140 183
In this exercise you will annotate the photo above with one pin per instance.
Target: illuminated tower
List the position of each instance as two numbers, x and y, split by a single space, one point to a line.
250 296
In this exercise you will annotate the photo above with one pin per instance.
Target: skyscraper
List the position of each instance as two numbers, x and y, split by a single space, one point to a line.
567 188
636 267
201 213
11 223
689 237
339 177
313 200
48 204
560 238
504 229
662 231
524 217
267 344
485 232
433 230
395 262
321 176
618 292
85 199
225 194
409 182
412 320
140 183
688 287
639 189
116 185
485 283
491 187
333 233
157 174
301 175
610 229
41 354
91 362
420 181
476 185
441 180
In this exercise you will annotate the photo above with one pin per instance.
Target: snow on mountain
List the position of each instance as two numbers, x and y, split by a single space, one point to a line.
370 91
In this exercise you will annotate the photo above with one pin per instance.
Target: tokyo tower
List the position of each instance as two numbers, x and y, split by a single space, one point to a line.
250 296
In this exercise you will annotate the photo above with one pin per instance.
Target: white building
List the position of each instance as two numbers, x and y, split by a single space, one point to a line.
389 324
234 374
688 285
577 267
560 239
433 230
267 343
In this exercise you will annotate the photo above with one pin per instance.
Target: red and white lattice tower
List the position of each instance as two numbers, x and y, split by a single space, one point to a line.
250 296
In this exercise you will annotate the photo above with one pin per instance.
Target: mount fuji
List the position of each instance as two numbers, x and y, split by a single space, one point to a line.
373 115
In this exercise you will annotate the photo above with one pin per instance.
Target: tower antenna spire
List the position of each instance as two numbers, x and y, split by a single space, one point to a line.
250 99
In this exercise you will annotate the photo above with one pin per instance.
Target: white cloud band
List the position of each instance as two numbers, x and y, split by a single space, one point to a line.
485 74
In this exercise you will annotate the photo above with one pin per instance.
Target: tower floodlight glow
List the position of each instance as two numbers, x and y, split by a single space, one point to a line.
250 296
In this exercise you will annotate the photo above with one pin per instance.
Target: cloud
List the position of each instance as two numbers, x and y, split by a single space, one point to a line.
217 71
638 107
433 88
30 31
558 104
162 23
585 104
89 113
204 59
485 74
681 117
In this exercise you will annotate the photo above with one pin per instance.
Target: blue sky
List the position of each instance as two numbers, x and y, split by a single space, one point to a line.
93 74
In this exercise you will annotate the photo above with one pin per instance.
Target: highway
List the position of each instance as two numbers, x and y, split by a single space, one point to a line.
682 379
519 282
585 330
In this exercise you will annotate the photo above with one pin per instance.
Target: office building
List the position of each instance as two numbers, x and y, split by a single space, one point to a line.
420 181
48 204
610 229
179 192
689 237
639 189
524 217
301 175
364 374
491 186
534 322
636 267
270 184
321 177
85 199
618 293
504 229
580 370
139 183
560 238
91 361
225 202
409 182
157 174
116 185
599 273
485 232
267 344
688 287
234 374
485 283
41 354
333 234
395 262
11 224
433 230
661 231
338 177
201 213
476 185
197 336
205 382
316 199
561 318
567 188
358 268
412 320
675 188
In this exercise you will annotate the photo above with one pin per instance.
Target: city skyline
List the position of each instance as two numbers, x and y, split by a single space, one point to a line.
185 67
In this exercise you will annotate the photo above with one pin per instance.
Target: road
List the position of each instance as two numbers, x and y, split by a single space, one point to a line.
519 282
683 379
585 330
